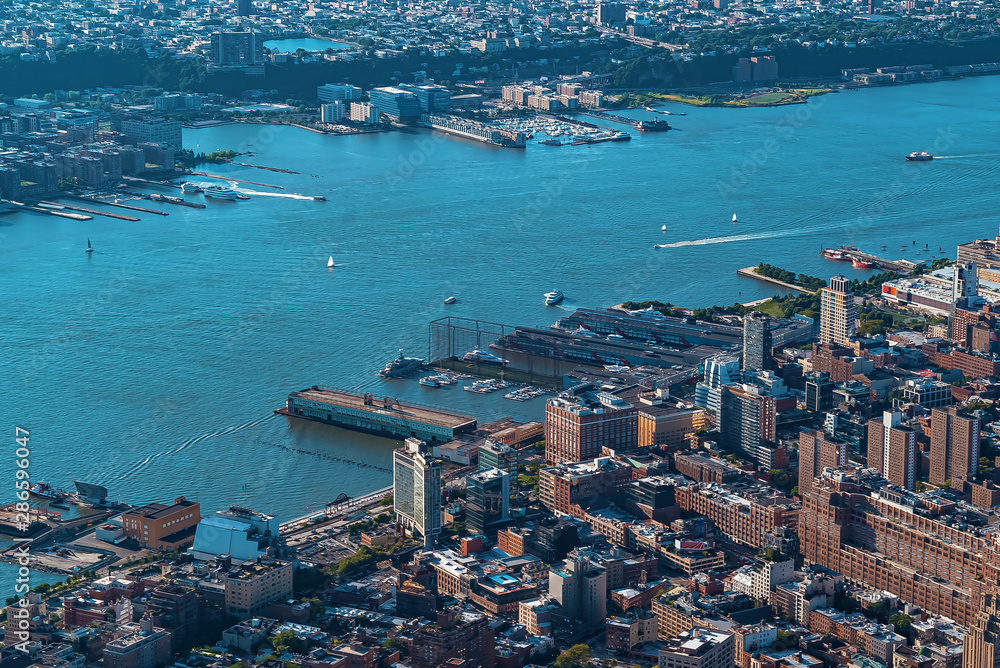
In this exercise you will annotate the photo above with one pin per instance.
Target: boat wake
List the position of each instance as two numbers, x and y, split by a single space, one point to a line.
263 194
731 238
139 466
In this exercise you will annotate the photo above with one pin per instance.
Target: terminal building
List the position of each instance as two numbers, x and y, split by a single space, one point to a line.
383 417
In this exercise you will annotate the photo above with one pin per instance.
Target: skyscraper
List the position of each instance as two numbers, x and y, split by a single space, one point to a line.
487 501
982 640
747 422
837 312
756 341
954 446
416 489
818 451
238 48
892 449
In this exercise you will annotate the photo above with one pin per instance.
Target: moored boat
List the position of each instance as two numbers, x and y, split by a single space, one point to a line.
920 156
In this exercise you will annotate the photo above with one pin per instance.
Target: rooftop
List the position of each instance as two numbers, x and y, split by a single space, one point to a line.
388 407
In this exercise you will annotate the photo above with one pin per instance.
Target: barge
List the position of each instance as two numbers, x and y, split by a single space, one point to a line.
383 416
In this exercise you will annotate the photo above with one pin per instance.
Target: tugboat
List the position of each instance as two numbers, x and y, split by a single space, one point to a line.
43 490
401 366
920 156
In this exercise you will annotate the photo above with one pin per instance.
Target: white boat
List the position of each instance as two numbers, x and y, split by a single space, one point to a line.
430 381
90 249
329 263
554 297
450 300
663 229
481 357
734 217
189 188
223 192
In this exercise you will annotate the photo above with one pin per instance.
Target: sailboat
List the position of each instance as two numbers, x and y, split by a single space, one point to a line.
329 263
663 229
90 249
734 217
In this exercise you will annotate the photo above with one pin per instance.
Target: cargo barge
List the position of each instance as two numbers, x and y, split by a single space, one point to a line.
374 415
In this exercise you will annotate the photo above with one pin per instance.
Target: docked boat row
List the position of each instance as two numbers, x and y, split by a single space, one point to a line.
486 386
525 393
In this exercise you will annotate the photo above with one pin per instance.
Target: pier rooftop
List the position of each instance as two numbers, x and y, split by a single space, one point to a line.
387 406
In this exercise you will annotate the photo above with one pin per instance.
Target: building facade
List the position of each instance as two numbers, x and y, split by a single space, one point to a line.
416 487
838 312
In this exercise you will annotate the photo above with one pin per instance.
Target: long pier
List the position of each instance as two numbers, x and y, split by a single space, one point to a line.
898 266
94 200
229 178
748 272
603 115
93 211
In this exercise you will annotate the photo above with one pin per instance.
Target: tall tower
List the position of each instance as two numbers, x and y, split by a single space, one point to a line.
982 640
954 446
837 312
416 489
756 342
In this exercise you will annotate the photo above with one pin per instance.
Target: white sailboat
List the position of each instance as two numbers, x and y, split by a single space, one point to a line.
329 263
663 229
90 249
734 217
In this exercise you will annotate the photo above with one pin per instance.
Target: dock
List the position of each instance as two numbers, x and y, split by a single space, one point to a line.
230 178
166 199
605 116
484 132
748 272
94 200
380 416
270 169
52 210
899 266
94 212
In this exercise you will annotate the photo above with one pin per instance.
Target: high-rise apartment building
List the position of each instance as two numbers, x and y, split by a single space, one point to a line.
748 422
584 420
720 370
892 449
838 312
817 451
819 392
756 341
581 588
487 501
416 489
954 446
982 640
497 455
238 48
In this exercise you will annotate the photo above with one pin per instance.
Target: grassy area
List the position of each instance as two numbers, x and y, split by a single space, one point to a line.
791 96
771 308
767 99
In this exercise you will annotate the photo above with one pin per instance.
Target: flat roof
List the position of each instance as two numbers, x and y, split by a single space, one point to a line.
423 414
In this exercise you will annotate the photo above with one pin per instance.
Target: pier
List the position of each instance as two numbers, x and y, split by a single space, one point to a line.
748 272
899 266
484 132
95 200
230 178
605 116
155 197
94 212
52 210
270 169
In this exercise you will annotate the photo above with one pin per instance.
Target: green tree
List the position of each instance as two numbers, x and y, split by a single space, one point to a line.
282 641
902 623
576 656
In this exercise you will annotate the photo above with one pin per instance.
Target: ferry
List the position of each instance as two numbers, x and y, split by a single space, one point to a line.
920 156
653 126
480 357
554 297
222 192
832 254
189 188
401 366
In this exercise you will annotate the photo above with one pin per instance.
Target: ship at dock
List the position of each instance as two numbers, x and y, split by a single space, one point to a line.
653 126
401 366
374 415
46 492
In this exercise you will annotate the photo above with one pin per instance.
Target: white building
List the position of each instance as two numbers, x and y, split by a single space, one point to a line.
338 92
416 489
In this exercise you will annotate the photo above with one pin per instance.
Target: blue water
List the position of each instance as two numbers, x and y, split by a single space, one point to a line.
154 364
307 43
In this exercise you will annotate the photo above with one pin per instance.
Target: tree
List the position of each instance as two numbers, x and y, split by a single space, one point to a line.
902 623
282 641
576 656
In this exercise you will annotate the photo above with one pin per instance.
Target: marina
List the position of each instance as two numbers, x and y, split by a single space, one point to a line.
490 134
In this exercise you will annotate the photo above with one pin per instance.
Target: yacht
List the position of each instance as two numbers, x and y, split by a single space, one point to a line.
223 192
430 381
554 297
450 300
401 366
920 156
480 357
189 188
